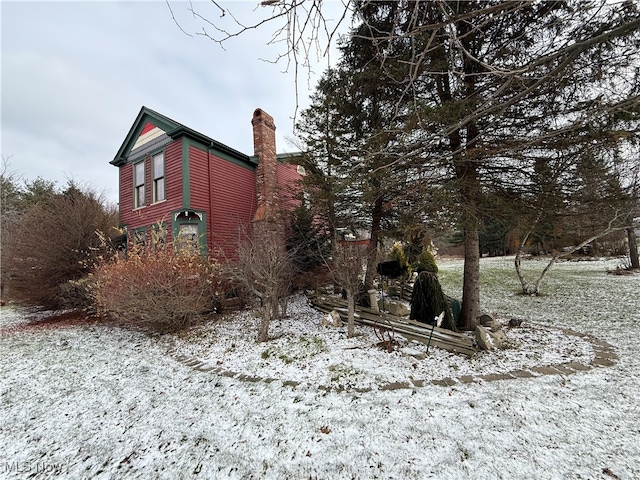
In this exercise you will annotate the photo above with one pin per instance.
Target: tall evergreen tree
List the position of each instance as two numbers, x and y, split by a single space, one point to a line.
500 86
482 92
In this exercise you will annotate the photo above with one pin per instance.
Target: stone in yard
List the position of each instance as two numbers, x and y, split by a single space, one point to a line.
332 320
489 322
489 340
499 337
394 308
412 352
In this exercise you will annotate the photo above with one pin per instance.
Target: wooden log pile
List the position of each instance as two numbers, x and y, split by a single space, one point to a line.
410 329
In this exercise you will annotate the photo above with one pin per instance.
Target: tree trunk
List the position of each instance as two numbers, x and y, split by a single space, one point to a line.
471 282
527 288
534 289
372 258
267 310
351 310
633 248
471 190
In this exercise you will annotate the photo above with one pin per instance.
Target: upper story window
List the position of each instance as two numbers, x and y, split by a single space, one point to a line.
138 183
158 178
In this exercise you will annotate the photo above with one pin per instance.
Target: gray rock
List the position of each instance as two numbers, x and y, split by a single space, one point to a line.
394 308
515 322
499 337
488 340
489 322
332 320
412 352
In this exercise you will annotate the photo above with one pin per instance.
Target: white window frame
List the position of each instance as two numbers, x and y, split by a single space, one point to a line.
139 186
159 191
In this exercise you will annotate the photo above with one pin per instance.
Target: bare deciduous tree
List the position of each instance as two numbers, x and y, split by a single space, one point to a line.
266 269
615 224
347 266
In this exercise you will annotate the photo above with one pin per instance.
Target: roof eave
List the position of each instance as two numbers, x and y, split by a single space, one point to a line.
183 131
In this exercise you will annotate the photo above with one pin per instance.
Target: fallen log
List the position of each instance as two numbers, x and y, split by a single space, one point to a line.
427 334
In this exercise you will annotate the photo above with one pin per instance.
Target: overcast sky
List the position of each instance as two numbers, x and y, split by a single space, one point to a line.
75 75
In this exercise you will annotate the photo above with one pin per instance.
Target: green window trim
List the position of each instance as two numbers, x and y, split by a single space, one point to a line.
139 237
193 220
186 189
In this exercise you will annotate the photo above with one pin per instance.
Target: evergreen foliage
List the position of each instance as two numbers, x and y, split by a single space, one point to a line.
307 240
428 301
397 253
426 262
485 110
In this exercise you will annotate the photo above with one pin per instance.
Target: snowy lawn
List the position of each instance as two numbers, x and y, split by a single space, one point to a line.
98 401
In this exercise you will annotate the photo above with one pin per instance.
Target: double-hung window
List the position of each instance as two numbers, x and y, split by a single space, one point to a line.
138 182
158 177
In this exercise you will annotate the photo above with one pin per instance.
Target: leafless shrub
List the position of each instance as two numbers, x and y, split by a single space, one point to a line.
52 242
164 290
387 338
347 266
265 268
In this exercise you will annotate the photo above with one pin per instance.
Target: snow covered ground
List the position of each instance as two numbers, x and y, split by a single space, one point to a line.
97 401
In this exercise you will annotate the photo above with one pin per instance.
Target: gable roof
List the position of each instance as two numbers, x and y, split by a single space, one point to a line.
150 125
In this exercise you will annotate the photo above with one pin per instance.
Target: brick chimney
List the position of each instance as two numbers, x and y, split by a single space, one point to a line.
264 147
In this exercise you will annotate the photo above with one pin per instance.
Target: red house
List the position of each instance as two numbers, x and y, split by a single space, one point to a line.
178 184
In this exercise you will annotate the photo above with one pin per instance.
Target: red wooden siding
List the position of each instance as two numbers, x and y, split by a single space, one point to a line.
126 191
233 204
147 128
199 180
288 185
152 213
225 191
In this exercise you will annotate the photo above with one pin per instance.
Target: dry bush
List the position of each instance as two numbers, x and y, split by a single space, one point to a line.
266 269
164 290
51 242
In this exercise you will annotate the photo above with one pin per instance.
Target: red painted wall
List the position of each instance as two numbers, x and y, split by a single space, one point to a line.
199 180
147 128
233 204
288 185
224 190
151 213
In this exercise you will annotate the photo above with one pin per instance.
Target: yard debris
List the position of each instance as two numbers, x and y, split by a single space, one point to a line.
394 308
410 329
515 322
489 334
332 320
